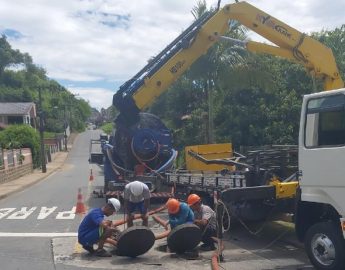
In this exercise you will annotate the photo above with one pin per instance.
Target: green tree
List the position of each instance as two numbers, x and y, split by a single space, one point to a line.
335 40
188 107
8 56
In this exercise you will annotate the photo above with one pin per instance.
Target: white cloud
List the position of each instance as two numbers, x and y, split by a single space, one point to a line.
305 15
108 40
98 97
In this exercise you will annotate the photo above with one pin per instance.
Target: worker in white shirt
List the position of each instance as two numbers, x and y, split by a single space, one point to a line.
137 198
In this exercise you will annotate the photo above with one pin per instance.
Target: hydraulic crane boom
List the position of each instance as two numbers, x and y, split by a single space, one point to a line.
149 83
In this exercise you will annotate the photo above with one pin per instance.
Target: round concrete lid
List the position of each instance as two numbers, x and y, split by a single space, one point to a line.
135 241
184 237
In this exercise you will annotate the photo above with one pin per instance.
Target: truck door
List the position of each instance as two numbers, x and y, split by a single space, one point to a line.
322 149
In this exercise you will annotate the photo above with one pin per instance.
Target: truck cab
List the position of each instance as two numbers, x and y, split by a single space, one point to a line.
320 212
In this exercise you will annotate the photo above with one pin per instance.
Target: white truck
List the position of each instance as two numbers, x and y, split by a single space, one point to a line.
317 194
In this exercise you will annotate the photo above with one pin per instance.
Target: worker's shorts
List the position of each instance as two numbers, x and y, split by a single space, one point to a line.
92 237
139 206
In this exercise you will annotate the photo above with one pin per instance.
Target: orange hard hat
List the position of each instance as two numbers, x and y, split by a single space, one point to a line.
173 206
193 199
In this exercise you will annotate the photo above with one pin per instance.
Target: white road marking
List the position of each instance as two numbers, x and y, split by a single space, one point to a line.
46 211
5 211
22 213
66 234
66 214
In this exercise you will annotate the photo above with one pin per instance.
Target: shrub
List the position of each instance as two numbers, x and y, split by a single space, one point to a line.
20 136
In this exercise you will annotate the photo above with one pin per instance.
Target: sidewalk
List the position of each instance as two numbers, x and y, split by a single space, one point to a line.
6 189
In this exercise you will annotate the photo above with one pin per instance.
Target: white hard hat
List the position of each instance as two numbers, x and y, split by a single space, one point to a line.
115 203
136 188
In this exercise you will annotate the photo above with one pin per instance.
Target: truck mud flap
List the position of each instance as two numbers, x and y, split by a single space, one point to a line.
248 193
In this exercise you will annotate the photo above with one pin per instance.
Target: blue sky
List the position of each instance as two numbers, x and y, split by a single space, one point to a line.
93 46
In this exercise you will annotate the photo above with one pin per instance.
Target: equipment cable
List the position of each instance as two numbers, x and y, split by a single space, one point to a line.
261 228
296 53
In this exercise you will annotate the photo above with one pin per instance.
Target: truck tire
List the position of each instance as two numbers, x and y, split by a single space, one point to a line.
324 245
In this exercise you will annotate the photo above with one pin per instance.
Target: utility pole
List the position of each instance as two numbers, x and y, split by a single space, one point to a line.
43 157
65 127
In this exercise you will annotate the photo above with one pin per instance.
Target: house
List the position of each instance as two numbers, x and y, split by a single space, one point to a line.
17 113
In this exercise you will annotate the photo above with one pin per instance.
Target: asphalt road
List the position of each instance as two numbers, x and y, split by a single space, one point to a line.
44 211
39 228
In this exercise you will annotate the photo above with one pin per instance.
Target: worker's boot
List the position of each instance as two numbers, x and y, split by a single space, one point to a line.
207 247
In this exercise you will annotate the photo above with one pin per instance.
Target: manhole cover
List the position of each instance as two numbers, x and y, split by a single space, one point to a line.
135 241
184 237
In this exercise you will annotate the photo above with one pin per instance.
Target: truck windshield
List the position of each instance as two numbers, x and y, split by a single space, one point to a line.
325 123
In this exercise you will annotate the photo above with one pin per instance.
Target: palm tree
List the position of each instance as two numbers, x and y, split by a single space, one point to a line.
205 71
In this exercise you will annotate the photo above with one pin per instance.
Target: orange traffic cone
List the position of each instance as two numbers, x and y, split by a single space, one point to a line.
91 176
80 208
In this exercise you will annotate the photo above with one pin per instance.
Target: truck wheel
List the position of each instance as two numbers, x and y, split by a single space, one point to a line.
324 244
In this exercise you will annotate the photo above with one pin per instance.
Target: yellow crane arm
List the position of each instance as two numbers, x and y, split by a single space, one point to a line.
318 59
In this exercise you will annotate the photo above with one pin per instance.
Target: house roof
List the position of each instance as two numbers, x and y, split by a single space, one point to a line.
15 108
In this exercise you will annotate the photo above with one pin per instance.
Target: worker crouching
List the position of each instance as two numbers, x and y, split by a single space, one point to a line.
179 213
205 218
137 198
95 229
